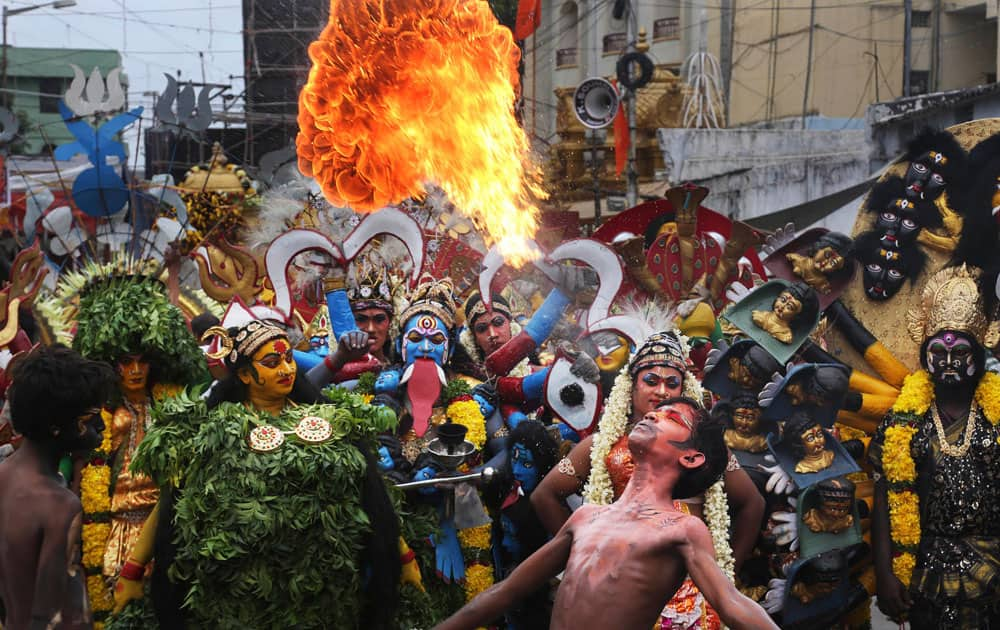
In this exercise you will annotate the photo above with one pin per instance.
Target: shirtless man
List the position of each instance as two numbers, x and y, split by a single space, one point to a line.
624 561
55 399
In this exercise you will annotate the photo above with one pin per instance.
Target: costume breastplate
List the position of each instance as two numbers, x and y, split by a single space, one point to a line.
963 493
620 465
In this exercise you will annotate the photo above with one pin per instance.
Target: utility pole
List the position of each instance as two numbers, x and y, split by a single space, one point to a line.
935 80
632 177
726 23
809 62
596 156
907 44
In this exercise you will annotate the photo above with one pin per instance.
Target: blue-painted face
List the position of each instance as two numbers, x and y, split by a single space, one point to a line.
387 382
424 337
320 346
485 407
385 462
523 467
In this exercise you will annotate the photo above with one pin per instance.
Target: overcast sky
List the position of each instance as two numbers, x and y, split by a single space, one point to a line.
152 37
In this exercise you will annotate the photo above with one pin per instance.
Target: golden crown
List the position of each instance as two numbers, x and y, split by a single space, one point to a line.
370 285
951 301
435 297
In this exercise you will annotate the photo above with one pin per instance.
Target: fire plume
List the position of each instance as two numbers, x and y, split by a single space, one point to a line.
403 92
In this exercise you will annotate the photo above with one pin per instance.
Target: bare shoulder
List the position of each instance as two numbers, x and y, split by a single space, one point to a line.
694 531
586 513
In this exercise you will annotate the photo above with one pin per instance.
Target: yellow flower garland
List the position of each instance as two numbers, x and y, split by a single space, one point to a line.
478 578
897 462
904 514
95 481
915 398
475 537
467 413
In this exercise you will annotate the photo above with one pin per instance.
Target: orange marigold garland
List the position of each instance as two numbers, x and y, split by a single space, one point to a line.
95 496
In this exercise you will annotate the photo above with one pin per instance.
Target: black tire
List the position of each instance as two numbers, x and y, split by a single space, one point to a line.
645 70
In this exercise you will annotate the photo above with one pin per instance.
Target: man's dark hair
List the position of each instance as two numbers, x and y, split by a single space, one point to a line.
201 323
52 386
706 438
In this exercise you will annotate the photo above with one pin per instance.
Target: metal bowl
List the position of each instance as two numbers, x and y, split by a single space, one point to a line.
450 457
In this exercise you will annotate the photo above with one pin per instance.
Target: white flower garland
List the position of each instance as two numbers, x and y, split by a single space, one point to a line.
717 516
609 429
598 489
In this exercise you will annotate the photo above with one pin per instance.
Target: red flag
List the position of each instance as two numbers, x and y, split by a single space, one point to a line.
621 139
529 18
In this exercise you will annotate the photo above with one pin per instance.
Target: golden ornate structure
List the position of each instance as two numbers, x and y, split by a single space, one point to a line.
658 105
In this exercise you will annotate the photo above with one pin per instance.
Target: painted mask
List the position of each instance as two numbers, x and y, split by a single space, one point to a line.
387 382
425 337
924 179
320 346
611 351
786 306
827 260
898 224
523 467
746 421
950 358
883 274
813 441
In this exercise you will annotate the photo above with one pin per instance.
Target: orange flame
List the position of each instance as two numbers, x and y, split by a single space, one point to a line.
403 92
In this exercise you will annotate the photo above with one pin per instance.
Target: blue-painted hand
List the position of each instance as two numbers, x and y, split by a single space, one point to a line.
448 553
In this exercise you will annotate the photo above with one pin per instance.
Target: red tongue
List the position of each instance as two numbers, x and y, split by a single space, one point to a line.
422 390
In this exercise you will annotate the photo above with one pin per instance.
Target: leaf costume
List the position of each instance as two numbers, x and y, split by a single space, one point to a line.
265 539
120 310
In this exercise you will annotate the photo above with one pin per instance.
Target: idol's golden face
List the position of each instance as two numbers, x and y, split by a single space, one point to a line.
786 306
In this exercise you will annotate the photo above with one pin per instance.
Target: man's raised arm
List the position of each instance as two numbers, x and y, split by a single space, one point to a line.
736 610
528 577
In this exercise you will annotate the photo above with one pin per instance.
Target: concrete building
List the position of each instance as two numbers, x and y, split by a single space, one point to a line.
852 56
37 78
763 47
797 94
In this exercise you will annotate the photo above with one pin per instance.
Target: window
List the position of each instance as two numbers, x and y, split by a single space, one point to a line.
569 20
51 89
666 28
566 58
919 81
920 19
614 43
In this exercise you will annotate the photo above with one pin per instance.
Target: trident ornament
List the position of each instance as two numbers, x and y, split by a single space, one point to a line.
188 118
95 102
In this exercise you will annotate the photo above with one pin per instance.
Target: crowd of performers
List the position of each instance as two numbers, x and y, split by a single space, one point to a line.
373 436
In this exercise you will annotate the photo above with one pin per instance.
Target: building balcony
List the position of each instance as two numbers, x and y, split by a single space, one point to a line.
666 28
566 58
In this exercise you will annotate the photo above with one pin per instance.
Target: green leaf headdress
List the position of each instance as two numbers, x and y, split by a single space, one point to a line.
124 311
